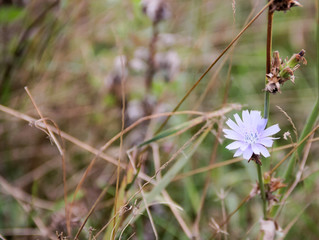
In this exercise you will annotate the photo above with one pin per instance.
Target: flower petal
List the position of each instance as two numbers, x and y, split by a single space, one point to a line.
239 121
234 145
238 152
262 124
267 141
255 119
248 153
234 126
262 150
255 149
230 134
246 119
244 146
270 131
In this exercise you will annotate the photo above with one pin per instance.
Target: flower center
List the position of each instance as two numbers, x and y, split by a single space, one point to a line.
251 137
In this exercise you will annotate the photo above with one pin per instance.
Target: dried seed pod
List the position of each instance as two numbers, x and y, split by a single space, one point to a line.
275 184
283 5
272 184
273 78
281 72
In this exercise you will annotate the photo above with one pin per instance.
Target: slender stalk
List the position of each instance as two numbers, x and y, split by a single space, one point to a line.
266 106
262 190
121 146
268 59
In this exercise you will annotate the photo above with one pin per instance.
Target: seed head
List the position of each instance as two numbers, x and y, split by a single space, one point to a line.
281 72
283 5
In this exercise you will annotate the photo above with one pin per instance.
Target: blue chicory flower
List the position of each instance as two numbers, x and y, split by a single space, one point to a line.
250 134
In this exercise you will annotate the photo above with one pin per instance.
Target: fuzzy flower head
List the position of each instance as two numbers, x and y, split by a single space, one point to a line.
250 134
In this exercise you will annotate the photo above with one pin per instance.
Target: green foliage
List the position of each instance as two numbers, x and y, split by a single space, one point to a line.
10 14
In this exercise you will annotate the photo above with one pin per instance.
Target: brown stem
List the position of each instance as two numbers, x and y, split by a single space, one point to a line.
269 40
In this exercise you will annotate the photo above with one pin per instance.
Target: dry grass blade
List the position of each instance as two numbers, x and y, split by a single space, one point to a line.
56 142
215 61
160 186
177 130
205 128
61 150
229 55
122 79
73 140
227 162
291 122
208 178
63 134
208 168
123 210
232 214
148 212
222 195
298 176
177 215
172 206
20 232
120 135
147 118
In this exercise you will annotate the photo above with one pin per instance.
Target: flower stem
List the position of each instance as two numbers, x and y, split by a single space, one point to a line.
268 59
262 190
266 106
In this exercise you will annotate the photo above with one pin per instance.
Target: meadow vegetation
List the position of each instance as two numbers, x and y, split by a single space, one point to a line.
112 116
